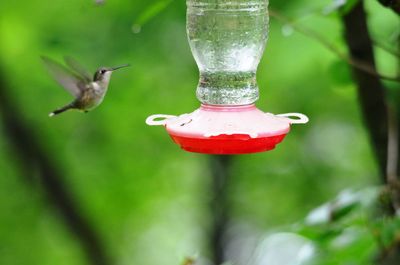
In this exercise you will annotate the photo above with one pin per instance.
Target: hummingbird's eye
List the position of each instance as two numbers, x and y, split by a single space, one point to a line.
102 71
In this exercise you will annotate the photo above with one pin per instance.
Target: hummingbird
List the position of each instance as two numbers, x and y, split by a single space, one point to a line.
88 91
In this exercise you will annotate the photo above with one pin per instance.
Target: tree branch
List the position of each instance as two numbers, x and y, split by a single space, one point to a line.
393 159
355 62
370 89
32 154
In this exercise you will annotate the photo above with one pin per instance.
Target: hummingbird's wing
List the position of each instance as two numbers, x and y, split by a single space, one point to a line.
78 68
67 79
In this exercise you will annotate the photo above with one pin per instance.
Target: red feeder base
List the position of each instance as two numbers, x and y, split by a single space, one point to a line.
228 144
227 130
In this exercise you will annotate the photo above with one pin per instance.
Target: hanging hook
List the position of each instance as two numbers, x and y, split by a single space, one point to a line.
158 119
301 118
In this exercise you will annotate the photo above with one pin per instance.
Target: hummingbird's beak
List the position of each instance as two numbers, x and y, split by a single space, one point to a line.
119 67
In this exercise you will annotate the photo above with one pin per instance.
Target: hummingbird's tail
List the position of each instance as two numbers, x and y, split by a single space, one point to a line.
61 110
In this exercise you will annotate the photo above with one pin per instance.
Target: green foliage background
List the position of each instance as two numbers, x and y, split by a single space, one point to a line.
147 199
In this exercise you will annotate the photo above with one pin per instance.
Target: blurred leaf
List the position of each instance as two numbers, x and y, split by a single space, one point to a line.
341 229
353 246
334 6
334 210
343 211
283 249
342 6
388 230
348 6
319 234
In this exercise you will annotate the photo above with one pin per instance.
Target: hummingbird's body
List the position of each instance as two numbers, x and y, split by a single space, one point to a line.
93 96
88 92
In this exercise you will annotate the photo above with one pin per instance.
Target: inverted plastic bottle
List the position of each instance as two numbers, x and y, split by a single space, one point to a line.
227 39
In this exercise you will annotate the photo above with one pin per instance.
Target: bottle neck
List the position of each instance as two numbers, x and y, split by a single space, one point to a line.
227 88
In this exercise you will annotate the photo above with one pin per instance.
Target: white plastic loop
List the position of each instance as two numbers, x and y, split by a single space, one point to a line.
301 118
158 119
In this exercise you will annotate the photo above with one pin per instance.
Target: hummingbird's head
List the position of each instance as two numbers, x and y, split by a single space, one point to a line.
104 73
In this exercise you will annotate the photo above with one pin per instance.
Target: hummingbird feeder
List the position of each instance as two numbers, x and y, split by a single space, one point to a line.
227 39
